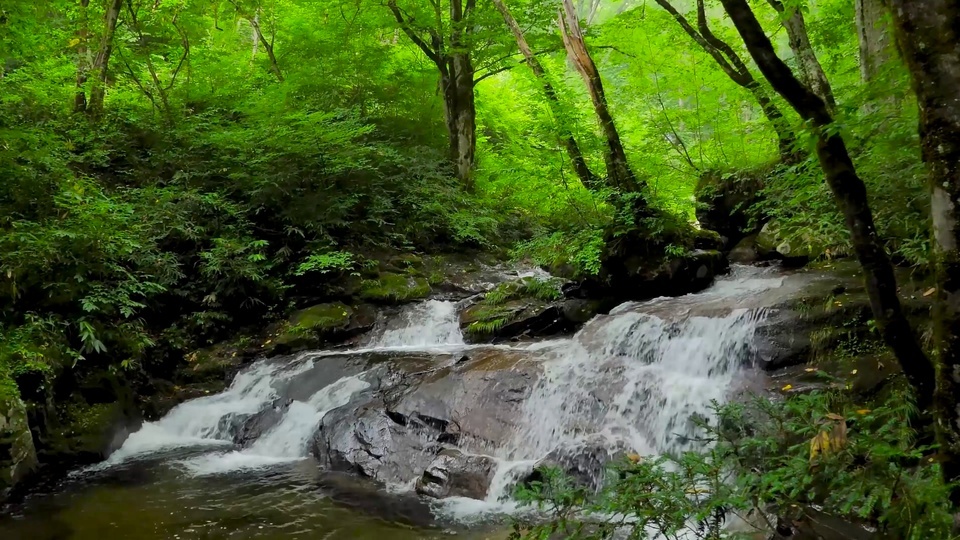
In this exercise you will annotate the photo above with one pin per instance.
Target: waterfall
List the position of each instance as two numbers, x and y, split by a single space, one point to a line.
289 439
201 421
426 325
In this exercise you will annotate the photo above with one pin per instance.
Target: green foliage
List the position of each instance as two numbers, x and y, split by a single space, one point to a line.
808 456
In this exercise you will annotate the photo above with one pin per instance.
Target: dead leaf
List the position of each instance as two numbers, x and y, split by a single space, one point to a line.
787 387
810 370
929 291
862 412
633 458
854 372
834 416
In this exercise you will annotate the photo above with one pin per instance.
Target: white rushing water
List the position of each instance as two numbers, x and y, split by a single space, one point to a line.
630 381
426 325
289 439
201 421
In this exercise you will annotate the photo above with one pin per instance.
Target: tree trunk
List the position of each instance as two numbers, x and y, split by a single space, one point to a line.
619 174
851 195
464 118
268 46
928 32
102 62
735 68
811 72
587 178
874 36
83 58
456 79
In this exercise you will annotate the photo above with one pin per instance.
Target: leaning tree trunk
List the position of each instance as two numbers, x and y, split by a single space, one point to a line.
102 61
619 174
851 195
811 72
267 45
929 34
735 68
587 178
874 36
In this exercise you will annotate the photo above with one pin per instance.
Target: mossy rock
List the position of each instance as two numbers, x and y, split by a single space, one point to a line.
18 457
772 241
726 199
86 432
318 325
529 306
391 287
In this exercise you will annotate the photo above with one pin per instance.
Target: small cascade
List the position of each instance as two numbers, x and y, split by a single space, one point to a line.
633 381
289 439
205 421
426 325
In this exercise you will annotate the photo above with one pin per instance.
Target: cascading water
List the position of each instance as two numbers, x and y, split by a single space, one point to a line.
426 325
629 381
287 440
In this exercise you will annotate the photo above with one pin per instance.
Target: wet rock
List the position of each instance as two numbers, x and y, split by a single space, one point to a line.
586 463
396 431
455 474
366 497
726 199
248 428
745 252
320 324
707 239
530 307
364 439
18 456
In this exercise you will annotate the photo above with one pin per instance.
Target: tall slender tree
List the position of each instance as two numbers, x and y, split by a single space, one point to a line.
580 166
619 173
736 69
447 42
851 195
929 35
811 72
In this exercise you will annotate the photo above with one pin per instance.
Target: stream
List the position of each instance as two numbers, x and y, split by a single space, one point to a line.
416 434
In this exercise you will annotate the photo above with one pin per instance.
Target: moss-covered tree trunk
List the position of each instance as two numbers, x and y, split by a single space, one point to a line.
450 52
102 61
811 72
874 36
851 195
929 36
587 178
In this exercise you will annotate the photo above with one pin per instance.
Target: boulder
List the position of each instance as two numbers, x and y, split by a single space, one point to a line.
796 250
745 252
18 457
248 428
320 324
726 199
586 464
390 288
396 432
455 474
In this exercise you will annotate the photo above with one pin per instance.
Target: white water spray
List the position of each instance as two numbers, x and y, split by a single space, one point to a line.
426 325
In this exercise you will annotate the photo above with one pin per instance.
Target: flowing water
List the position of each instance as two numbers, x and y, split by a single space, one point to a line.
628 381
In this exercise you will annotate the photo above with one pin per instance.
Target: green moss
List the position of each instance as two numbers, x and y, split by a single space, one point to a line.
391 287
322 317
84 428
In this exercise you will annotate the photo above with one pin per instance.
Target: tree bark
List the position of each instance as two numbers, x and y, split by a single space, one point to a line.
587 178
811 72
267 46
451 54
929 32
731 64
619 173
102 61
851 195
874 36
83 58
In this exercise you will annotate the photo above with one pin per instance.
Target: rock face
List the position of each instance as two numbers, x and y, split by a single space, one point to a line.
455 474
726 199
17 454
635 277
410 424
